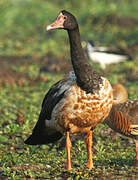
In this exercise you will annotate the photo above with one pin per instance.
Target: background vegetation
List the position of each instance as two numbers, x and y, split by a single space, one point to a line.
31 60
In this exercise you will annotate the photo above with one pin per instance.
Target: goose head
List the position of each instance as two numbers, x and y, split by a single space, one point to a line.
64 20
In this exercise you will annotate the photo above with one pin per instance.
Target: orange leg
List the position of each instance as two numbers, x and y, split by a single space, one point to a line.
136 153
89 149
68 147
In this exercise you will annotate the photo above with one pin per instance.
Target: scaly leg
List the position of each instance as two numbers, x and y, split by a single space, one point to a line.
68 147
89 149
136 153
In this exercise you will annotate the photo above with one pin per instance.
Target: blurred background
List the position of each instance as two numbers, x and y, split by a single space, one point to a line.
23 39
31 60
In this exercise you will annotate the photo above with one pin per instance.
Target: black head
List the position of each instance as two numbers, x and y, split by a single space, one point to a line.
65 20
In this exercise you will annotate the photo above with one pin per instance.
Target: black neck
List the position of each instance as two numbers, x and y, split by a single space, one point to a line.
87 78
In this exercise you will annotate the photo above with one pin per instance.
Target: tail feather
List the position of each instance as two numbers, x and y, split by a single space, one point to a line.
36 139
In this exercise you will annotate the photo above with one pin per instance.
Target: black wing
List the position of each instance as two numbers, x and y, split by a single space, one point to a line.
41 134
51 99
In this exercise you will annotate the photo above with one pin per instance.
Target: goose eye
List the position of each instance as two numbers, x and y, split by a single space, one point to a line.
65 17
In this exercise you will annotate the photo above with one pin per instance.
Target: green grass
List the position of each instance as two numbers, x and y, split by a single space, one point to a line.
23 25
23 86
20 106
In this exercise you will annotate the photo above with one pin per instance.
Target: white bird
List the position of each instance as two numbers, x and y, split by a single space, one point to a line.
104 55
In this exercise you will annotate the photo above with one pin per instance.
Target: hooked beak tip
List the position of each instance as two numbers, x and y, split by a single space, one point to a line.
48 28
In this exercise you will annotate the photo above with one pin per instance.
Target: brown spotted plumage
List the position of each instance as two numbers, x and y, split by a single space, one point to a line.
74 104
80 111
123 117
